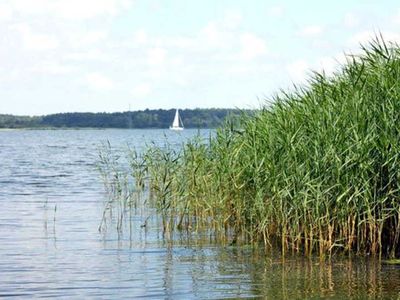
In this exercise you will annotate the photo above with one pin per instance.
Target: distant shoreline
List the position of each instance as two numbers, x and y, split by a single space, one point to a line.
146 119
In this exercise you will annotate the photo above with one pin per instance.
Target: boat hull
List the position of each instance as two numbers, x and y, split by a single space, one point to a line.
176 128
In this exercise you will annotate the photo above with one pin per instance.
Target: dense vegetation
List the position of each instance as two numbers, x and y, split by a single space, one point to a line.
192 118
11 121
316 171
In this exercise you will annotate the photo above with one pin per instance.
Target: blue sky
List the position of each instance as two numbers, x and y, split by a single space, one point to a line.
109 55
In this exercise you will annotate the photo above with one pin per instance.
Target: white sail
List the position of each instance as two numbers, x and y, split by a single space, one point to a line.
175 123
176 119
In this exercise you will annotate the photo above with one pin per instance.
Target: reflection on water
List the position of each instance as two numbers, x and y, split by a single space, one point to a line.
299 278
52 202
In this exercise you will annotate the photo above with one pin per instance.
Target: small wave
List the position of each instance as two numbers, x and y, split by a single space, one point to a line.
57 146
56 176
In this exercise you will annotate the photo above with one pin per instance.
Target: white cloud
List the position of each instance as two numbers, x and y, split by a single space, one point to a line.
391 36
98 81
156 56
140 37
215 37
52 68
78 9
154 74
327 64
28 7
40 42
141 90
83 39
181 81
177 61
252 46
298 70
35 41
311 31
350 20
396 18
232 20
89 38
85 56
322 44
365 37
211 33
276 11
183 42
6 11
361 37
70 9
249 69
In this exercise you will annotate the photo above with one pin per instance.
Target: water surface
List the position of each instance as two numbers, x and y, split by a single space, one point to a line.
52 200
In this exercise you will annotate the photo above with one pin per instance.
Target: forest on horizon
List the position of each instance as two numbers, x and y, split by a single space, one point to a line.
159 118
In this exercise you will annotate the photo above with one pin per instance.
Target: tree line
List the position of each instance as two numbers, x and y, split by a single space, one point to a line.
159 118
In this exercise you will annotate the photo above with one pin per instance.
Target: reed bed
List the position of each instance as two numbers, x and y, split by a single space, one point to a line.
316 171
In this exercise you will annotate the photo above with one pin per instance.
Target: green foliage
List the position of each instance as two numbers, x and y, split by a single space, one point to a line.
316 171
10 121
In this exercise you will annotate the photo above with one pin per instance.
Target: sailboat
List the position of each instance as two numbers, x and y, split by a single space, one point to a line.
177 124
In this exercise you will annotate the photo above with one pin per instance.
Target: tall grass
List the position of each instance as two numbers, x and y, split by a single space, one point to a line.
317 171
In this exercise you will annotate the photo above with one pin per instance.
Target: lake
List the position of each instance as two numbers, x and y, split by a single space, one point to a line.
52 200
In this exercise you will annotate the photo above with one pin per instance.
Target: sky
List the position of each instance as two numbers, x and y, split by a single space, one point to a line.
116 55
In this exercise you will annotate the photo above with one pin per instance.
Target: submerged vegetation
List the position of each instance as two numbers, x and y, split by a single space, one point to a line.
317 171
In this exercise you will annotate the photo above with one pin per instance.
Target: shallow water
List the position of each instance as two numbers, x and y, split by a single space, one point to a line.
52 200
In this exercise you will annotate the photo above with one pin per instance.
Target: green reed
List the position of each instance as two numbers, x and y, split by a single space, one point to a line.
316 171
